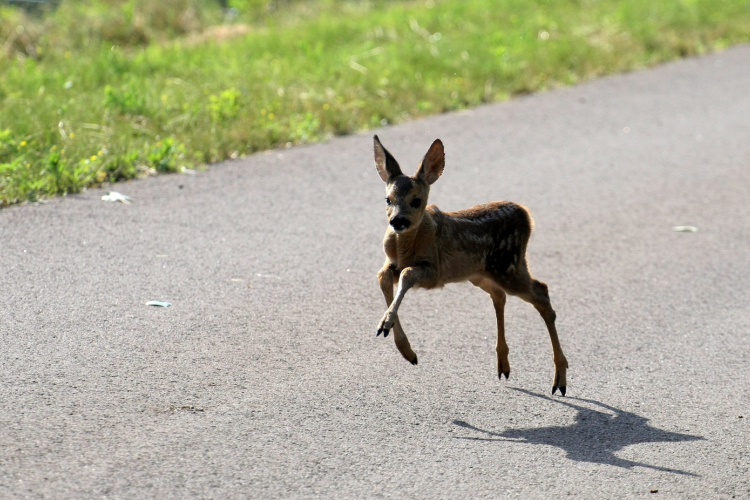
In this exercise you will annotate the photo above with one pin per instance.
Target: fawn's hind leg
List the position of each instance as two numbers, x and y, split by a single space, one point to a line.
540 300
498 300
523 285
387 279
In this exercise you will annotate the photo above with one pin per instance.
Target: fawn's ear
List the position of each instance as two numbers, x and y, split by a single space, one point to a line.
433 163
385 163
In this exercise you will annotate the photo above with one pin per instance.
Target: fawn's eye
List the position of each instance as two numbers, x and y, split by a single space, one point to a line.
416 202
388 202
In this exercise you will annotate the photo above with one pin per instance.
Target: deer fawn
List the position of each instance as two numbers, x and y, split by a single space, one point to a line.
427 248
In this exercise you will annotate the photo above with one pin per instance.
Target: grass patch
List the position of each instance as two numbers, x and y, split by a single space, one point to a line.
99 92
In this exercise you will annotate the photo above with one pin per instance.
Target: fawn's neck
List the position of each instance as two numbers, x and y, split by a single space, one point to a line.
413 245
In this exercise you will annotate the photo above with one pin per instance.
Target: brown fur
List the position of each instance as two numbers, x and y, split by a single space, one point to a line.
427 248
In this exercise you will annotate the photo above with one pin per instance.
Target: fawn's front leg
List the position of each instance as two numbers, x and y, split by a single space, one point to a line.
410 276
387 277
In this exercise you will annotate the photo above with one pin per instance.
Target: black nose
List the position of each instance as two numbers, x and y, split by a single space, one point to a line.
400 223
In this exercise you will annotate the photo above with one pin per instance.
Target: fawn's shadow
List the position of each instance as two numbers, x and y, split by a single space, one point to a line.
594 437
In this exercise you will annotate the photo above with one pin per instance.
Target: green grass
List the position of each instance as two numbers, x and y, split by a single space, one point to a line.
94 93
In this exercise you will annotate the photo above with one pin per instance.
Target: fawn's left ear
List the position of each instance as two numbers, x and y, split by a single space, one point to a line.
433 163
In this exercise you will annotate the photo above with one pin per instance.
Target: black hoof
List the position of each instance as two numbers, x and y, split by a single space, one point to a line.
562 390
554 389
377 334
500 375
386 332
415 362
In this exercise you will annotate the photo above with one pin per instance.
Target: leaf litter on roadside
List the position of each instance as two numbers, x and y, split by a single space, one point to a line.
158 303
114 196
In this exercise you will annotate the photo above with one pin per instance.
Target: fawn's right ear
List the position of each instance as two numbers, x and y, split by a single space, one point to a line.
385 163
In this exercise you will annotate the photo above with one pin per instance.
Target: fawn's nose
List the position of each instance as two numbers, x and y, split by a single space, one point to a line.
400 223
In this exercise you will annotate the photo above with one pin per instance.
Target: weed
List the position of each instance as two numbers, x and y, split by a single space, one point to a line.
121 167
304 128
225 106
125 100
57 173
166 155
8 145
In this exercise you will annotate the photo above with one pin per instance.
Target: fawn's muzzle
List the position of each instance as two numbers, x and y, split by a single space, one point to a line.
400 223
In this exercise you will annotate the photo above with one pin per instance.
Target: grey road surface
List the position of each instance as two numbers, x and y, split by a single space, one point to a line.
264 379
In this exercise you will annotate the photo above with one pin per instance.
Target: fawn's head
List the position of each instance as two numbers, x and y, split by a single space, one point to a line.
406 197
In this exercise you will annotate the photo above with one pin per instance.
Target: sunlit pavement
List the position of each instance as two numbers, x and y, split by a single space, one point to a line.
264 378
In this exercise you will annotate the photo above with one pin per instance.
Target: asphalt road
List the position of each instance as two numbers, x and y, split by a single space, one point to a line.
264 379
